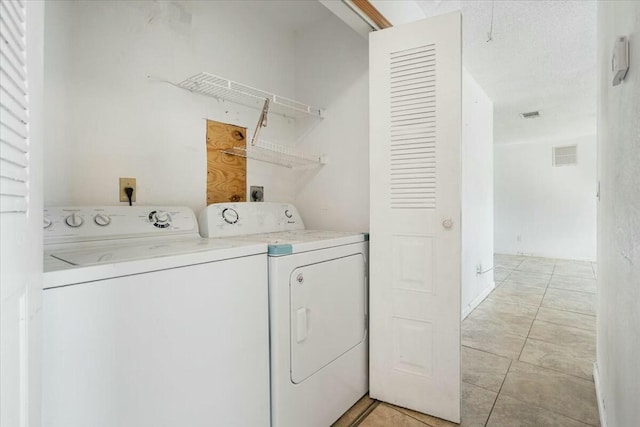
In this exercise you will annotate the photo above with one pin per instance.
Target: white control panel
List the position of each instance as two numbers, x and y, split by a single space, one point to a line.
239 219
78 224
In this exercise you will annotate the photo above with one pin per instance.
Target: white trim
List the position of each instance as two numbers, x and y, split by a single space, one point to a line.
599 396
476 302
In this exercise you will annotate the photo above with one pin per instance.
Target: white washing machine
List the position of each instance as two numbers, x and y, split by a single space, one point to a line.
318 309
148 324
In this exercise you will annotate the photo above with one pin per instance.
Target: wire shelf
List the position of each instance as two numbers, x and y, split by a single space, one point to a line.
277 154
221 88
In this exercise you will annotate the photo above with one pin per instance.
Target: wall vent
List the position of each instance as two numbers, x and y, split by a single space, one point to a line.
564 156
531 115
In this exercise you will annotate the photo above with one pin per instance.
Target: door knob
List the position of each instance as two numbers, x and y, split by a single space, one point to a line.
447 223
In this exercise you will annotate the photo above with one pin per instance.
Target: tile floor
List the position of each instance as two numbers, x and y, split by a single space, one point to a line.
527 355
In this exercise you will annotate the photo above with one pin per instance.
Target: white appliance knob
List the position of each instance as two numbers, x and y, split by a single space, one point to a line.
230 216
288 213
447 223
102 220
74 220
162 217
46 222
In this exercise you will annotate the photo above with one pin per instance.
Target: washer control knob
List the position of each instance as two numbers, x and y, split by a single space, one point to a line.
74 220
288 213
46 222
160 219
230 216
102 220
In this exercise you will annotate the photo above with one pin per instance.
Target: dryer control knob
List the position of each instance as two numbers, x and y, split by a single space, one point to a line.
288 213
230 216
102 220
74 220
46 222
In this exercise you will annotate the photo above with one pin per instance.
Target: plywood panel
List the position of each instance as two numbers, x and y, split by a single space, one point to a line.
226 174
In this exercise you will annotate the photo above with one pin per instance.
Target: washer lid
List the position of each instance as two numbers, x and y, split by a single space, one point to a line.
129 252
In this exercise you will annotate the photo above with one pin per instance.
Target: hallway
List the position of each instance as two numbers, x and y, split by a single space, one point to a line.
527 353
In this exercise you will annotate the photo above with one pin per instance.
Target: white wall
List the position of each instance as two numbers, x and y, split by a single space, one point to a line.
477 193
618 309
544 210
105 119
332 68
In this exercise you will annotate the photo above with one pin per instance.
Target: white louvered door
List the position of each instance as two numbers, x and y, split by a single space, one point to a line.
21 44
415 138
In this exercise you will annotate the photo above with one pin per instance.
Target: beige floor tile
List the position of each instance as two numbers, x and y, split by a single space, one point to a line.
509 412
573 283
517 294
574 269
499 274
499 343
567 318
568 359
507 261
529 278
354 412
580 340
385 416
551 390
484 369
578 302
537 265
498 308
476 407
494 315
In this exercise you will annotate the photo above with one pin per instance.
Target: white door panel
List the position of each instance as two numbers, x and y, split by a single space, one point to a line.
415 98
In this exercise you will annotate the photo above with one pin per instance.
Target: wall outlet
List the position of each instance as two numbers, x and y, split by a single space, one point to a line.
124 183
257 193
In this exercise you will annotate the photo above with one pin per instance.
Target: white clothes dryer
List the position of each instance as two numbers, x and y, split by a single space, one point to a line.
148 324
318 309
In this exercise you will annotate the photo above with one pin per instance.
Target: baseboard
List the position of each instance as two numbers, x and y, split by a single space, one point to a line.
476 302
599 397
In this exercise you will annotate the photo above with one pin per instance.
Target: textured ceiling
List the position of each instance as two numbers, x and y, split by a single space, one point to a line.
542 57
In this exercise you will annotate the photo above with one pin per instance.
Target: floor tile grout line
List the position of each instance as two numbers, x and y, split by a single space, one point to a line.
536 315
414 418
486 352
498 394
573 290
546 409
555 370
568 311
561 324
564 326
365 413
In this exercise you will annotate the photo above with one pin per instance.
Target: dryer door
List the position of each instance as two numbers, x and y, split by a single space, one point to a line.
328 313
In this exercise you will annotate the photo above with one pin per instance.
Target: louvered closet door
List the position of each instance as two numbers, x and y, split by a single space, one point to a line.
21 24
415 137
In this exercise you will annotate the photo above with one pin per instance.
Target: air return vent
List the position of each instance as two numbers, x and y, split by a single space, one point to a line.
564 156
531 115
